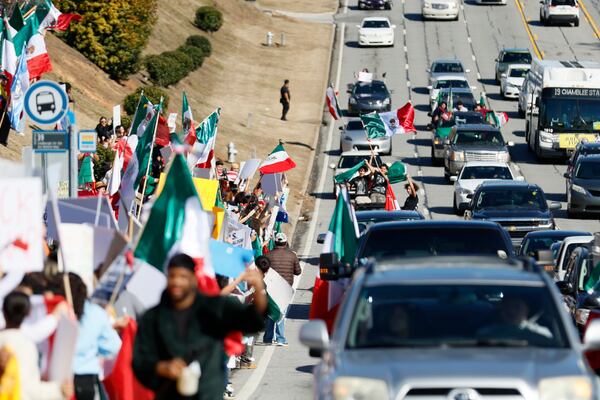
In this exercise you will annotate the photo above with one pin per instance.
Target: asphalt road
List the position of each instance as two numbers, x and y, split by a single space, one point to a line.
476 40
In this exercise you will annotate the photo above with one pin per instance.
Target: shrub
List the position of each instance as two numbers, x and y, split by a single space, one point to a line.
183 59
104 162
165 71
201 42
153 93
126 121
194 53
112 33
209 19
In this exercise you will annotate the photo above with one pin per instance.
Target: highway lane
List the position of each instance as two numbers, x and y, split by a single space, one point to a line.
475 39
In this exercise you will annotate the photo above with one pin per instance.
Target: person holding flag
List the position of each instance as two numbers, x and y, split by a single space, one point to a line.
412 201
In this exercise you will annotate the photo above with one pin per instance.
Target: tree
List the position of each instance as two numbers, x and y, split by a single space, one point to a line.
112 33
200 42
153 93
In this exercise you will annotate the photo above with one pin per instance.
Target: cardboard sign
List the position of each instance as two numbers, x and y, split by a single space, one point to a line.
77 247
280 291
63 352
236 233
21 222
248 170
271 184
116 119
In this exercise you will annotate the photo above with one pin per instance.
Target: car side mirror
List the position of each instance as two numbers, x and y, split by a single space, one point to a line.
429 114
341 128
321 238
591 338
453 178
314 335
567 175
332 166
520 179
329 266
554 205
429 87
510 144
565 287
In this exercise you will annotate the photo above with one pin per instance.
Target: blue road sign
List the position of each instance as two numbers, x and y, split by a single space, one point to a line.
46 102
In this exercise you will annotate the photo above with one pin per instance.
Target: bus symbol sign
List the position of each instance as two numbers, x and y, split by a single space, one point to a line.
46 102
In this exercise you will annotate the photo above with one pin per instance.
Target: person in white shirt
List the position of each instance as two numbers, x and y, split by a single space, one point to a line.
460 107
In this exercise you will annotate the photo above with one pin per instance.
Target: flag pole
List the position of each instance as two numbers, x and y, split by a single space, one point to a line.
150 160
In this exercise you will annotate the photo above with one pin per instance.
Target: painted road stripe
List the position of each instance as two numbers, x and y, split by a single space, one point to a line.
534 44
589 19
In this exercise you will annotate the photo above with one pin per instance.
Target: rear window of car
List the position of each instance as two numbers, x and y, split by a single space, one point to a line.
451 83
588 170
517 58
370 87
376 24
351 161
479 138
388 243
486 172
354 126
563 3
510 199
518 73
448 67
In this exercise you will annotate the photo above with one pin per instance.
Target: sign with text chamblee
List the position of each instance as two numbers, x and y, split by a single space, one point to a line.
21 215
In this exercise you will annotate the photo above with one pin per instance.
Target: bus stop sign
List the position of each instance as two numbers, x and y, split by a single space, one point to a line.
46 102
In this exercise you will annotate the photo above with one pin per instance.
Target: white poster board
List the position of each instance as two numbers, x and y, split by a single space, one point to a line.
63 352
21 220
271 184
116 119
236 233
77 247
147 284
171 122
280 291
248 170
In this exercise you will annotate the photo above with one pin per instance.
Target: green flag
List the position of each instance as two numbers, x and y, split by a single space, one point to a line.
374 125
342 236
482 100
397 172
16 21
348 175
86 172
140 114
593 279
143 149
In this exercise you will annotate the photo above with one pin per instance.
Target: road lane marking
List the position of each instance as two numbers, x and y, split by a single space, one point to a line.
478 76
469 39
408 83
589 19
406 66
536 49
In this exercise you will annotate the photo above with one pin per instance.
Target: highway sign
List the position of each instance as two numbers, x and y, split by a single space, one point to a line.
50 141
46 102
87 141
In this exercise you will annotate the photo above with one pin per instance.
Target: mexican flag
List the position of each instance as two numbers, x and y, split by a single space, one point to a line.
396 172
279 295
389 123
32 42
391 204
50 17
332 103
349 174
18 88
16 21
187 120
203 142
498 119
177 223
144 110
9 54
278 161
86 172
482 99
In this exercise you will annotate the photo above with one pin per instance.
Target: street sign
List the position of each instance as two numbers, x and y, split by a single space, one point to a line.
87 141
46 102
50 141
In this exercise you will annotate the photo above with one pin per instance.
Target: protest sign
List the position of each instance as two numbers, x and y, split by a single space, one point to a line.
229 260
248 170
206 188
280 292
116 119
63 351
219 214
21 222
77 247
73 214
147 284
108 280
236 233
271 184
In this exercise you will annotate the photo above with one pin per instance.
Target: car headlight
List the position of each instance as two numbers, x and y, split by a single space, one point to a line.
386 101
457 156
464 191
546 137
346 388
546 223
352 100
502 156
437 140
578 189
568 387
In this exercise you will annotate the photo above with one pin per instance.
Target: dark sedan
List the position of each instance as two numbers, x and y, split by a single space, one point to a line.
375 4
583 186
366 97
543 240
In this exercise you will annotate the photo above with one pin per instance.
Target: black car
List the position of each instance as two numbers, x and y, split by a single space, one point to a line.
580 288
520 207
366 97
543 240
372 4
583 149
583 186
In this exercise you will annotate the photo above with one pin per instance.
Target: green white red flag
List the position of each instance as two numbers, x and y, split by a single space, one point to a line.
333 104
203 142
278 161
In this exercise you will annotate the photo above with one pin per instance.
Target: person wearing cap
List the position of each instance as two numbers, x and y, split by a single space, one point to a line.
187 326
285 262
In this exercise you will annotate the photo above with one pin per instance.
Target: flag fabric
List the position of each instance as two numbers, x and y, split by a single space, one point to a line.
187 120
319 304
396 172
229 260
450 102
50 17
349 174
143 110
482 99
406 116
277 161
177 223
497 119
389 123
342 236
163 133
333 104
391 204
31 42
16 21
203 142
9 54
115 176
86 172
279 295
18 88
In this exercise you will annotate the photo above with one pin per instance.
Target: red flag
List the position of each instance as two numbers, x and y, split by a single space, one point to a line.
163 133
406 117
121 384
64 20
320 304
391 204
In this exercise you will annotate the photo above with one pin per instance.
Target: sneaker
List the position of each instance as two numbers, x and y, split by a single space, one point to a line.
281 344
229 392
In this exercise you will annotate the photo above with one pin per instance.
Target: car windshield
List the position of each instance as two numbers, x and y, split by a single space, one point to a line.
475 118
588 170
369 87
518 73
517 58
451 83
455 315
511 198
532 245
451 67
375 24
486 172
571 114
479 138
355 125
382 244
351 161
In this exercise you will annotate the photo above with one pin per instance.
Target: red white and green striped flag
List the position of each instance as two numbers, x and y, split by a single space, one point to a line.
390 123
50 17
187 121
30 39
86 172
332 103
203 142
278 161
9 54
498 119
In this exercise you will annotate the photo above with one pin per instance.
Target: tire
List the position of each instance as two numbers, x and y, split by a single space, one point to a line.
457 211
447 175
501 91
456 18
576 23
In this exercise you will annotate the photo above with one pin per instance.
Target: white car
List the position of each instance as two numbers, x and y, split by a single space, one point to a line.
559 11
445 82
376 31
512 80
440 9
474 174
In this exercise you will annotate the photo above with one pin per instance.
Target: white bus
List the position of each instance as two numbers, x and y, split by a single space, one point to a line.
565 106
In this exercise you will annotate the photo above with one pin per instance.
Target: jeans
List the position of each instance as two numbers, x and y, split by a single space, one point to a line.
274 327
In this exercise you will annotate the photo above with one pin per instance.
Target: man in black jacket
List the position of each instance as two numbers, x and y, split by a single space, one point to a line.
187 326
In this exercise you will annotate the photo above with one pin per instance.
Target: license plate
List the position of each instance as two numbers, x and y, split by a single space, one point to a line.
439 6
570 140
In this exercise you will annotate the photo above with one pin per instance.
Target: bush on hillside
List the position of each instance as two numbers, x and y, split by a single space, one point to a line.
209 19
106 156
153 93
200 42
112 33
165 70
194 53
183 59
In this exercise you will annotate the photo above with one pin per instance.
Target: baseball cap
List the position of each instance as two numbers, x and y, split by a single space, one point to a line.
280 238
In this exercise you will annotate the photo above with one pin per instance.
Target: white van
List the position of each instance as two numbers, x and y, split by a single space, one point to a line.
566 248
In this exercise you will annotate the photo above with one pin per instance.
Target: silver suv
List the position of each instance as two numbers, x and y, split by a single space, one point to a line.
447 328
